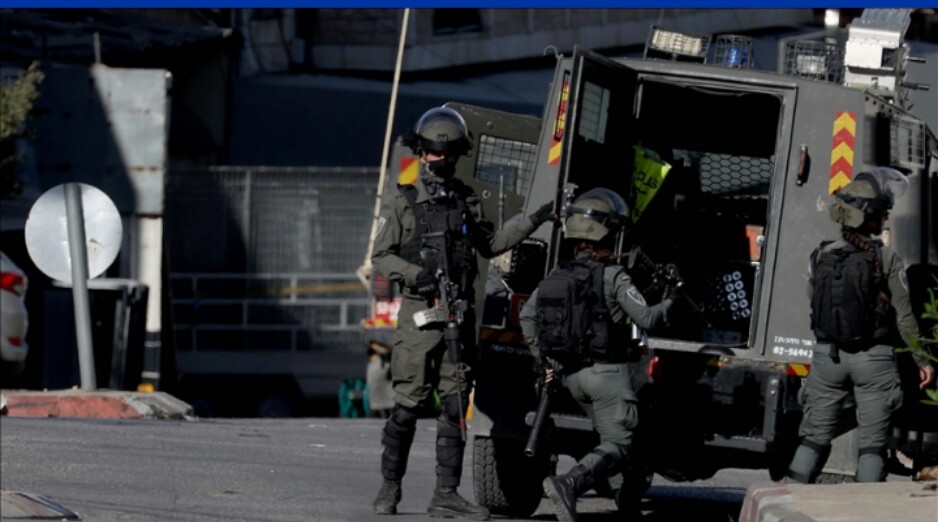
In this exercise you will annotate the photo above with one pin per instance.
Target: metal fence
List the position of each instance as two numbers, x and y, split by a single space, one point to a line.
264 258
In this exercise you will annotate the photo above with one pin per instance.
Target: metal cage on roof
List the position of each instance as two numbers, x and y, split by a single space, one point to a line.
733 51
816 60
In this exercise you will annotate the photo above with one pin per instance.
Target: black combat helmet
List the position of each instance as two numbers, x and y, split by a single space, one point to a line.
439 130
871 193
595 214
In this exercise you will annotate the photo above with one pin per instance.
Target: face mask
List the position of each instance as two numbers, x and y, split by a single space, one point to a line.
442 168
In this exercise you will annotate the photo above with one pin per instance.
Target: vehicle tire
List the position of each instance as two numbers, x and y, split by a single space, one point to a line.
787 444
504 480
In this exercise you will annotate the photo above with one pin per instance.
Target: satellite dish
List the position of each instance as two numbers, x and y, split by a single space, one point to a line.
47 232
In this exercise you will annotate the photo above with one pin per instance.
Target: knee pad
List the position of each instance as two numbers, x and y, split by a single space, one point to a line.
397 439
400 427
610 463
871 464
449 409
808 461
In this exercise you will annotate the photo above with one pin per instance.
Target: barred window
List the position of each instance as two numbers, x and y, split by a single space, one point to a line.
509 160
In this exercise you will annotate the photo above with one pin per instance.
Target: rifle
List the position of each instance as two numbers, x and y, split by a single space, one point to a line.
451 310
542 414
638 261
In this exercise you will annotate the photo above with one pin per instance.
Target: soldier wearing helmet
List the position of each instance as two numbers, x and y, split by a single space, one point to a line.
436 203
856 330
593 224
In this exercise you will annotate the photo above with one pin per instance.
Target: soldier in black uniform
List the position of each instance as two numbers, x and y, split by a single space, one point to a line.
436 202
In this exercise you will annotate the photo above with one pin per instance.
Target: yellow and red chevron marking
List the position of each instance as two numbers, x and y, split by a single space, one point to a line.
501 336
845 132
409 170
553 156
798 370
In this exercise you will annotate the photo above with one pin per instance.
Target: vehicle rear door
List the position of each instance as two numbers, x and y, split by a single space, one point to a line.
596 143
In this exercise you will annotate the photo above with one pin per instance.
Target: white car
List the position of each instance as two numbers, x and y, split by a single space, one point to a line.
14 320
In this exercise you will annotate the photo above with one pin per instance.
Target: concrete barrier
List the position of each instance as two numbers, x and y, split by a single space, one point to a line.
904 501
100 404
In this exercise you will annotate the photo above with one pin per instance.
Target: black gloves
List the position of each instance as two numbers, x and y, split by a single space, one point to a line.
673 292
545 213
425 284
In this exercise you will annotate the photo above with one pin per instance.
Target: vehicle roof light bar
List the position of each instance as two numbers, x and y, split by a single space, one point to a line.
676 46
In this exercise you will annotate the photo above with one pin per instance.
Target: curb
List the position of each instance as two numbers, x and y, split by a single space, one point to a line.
770 502
15 505
99 404
908 501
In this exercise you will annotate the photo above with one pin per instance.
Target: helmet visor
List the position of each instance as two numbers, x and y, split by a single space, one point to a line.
443 130
602 203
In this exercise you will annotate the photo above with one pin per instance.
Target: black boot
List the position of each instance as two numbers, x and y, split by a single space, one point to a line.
388 497
449 455
563 491
447 503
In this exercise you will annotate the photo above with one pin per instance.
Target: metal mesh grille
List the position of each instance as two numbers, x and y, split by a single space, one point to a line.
509 158
264 219
907 143
264 258
205 221
723 174
816 60
595 110
733 51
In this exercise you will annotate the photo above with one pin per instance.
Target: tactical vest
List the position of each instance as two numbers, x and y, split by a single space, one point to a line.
574 325
845 297
452 216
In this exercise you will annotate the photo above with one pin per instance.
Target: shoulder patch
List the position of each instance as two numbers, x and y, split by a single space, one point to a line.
636 295
904 279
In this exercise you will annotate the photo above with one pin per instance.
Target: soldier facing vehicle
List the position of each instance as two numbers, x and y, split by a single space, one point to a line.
579 318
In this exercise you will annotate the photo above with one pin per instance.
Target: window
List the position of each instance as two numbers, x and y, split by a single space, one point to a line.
595 112
510 160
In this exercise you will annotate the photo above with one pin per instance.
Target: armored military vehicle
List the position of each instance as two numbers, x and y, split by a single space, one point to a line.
730 171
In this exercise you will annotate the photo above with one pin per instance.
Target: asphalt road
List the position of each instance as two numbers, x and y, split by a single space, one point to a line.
270 470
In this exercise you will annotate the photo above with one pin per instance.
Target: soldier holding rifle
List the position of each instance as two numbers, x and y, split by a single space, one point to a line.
579 318
426 240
